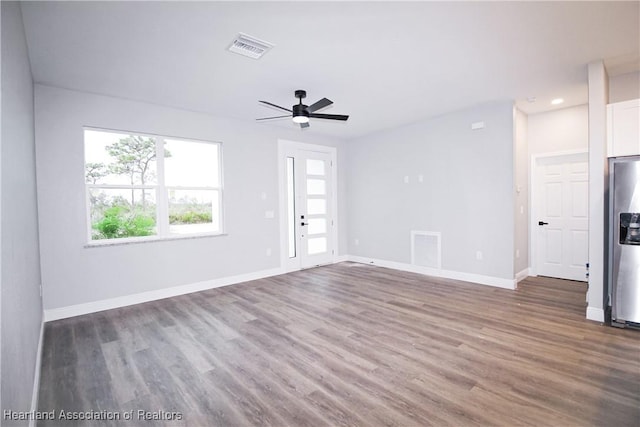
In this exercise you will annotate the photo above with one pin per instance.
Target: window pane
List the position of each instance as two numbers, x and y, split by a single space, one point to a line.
315 187
191 164
317 245
119 159
193 211
291 206
119 213
316 207
315 167
317 226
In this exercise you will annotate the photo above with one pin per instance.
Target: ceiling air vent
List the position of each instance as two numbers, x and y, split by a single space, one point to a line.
249 46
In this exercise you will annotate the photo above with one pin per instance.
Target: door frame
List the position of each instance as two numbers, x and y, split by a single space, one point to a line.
284 146
533 193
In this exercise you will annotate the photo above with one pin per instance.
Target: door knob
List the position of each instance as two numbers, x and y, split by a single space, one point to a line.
542 223
302 223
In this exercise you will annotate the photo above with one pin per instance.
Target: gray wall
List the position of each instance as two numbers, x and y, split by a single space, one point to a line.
566 129
21 302
74 274
624 87
466 193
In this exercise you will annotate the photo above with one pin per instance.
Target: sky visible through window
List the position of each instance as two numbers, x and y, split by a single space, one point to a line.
192 164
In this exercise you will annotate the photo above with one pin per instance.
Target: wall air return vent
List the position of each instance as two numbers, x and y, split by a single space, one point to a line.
426 249
249 46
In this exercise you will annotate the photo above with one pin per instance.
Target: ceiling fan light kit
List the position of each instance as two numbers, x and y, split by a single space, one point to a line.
301 113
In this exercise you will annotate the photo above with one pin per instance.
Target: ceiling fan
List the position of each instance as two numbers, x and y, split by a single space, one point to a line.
302 113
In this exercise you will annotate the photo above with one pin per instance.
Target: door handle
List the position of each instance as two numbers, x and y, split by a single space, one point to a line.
303 224
542 223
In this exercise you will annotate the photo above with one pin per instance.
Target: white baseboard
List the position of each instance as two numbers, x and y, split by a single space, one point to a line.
456 275
521 275
595 314
127 300
36 374
108 304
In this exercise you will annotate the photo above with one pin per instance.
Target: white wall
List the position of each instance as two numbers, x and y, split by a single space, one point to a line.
467 193
21 302
598 190
74 274
566 129
624 87
521 205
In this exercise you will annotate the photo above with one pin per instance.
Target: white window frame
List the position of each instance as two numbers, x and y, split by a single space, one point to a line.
161 192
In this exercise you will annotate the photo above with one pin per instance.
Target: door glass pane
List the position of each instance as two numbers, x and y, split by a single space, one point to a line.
315 167
291 207
315 187
317 226
191 164
316 206
193 211
121 212
316 245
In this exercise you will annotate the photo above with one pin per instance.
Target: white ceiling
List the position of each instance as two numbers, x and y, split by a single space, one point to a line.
384 63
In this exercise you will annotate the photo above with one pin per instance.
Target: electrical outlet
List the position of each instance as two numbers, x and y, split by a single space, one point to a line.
268 252
356 242
406 179
517 253
479 255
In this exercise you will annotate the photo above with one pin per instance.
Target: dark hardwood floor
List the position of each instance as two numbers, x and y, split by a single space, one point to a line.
349 344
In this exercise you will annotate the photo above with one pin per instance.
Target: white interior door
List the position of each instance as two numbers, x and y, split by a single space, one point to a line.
561 221
310 210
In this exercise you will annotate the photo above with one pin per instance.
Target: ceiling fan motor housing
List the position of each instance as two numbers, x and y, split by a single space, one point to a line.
300 110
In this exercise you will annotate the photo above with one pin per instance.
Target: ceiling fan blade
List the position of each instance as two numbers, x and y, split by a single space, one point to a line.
324 102
329 116
277 106
276 117
304 125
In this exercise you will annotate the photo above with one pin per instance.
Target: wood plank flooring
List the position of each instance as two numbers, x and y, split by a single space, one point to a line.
348 345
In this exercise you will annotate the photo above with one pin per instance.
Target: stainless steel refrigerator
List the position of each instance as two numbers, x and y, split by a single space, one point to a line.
624 240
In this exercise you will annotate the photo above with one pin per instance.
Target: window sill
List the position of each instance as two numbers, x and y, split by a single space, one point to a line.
121 242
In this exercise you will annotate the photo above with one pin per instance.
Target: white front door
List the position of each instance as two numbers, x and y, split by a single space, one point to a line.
309 208
562 216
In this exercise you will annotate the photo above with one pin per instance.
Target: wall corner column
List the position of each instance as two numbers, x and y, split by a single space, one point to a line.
598 190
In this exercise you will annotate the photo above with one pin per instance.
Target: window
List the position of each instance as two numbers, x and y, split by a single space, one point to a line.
142 185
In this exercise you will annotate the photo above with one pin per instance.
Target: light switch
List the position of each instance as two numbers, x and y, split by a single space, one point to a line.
269 214
406 179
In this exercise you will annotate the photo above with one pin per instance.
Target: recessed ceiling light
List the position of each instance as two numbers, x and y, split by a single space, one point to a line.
557 101
531 99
